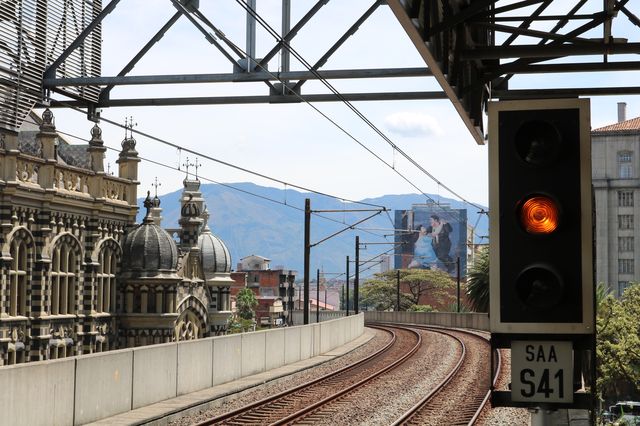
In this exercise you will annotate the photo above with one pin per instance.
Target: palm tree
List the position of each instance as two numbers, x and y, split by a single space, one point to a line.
478 282
246 302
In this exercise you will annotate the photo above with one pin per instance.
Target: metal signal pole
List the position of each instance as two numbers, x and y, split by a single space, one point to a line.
347 286
398 290
307 255
318 296
356 280
458 277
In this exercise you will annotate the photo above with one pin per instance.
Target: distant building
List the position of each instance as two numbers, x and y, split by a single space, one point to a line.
266 284
616 182
254 263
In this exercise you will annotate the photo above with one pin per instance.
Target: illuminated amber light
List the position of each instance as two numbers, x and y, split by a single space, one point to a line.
539 215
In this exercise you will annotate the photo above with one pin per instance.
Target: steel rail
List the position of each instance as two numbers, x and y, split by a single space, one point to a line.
226 417
406 417
496 375
313 408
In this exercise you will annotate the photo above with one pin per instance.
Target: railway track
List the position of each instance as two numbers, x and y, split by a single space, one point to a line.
304 401
456 400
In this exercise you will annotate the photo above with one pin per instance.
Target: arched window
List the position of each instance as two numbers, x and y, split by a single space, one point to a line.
64 272
106 280
18 278
625 164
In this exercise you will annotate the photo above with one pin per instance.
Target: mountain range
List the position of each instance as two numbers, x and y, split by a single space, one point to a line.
269 222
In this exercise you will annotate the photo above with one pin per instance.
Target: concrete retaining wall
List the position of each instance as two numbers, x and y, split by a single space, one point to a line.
38 394
114 382
298 316
472 320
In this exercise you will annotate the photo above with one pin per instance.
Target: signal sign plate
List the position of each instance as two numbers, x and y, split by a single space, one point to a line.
542 371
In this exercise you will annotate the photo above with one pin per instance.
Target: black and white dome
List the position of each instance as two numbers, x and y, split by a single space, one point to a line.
213 252
148 250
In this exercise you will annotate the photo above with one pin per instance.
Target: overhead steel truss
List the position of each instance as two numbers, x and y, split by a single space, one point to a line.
475 47
284 86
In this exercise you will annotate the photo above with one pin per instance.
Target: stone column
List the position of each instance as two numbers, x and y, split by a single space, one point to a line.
128 168
48 140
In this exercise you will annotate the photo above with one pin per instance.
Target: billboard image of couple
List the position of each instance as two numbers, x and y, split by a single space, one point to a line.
434 238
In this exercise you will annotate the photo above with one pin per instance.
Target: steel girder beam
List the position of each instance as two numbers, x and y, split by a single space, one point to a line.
273 99
466 45
253 77
236 57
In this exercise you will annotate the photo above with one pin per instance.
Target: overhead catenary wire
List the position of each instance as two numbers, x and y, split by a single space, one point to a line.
237 49
289 205
225 163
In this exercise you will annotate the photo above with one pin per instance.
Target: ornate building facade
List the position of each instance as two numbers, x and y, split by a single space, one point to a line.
616 184
77 275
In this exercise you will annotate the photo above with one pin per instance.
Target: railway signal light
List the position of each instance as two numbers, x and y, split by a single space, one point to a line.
540 217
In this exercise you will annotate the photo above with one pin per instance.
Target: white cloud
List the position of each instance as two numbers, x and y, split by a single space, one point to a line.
413 124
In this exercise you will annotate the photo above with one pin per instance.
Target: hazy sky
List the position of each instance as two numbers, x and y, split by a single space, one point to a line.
294 142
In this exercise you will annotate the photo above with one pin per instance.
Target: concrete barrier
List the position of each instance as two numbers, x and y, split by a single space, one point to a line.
274 349
103 385
472 320
114 382
155 377
253 353
292 344
39 394
306 341
195 365
227 358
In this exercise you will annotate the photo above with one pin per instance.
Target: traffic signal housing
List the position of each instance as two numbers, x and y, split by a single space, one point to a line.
541 265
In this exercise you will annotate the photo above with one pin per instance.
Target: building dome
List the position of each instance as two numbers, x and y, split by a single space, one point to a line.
213 252
148 250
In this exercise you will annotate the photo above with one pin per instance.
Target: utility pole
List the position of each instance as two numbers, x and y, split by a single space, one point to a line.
356 281
458 277
347 285
307 254
318 296
398 290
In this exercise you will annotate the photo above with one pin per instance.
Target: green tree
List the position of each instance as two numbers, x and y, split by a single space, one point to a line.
478 282
426 281
380 291
618 345
246 302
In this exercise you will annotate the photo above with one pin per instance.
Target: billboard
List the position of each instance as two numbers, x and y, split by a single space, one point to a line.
433 236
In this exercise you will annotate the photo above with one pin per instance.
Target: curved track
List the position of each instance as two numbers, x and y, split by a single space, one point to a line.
305 400
458 389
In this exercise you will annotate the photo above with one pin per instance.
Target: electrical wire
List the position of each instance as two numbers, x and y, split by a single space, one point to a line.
310 68
225 163
339 95
223 184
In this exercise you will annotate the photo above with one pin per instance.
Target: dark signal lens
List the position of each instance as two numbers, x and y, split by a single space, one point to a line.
539 215
538 143
540 288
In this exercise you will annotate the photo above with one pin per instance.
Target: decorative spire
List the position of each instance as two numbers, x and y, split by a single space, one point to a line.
129 143
197 164
96 136
148 204
48 121
205 216
186 167
156 200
